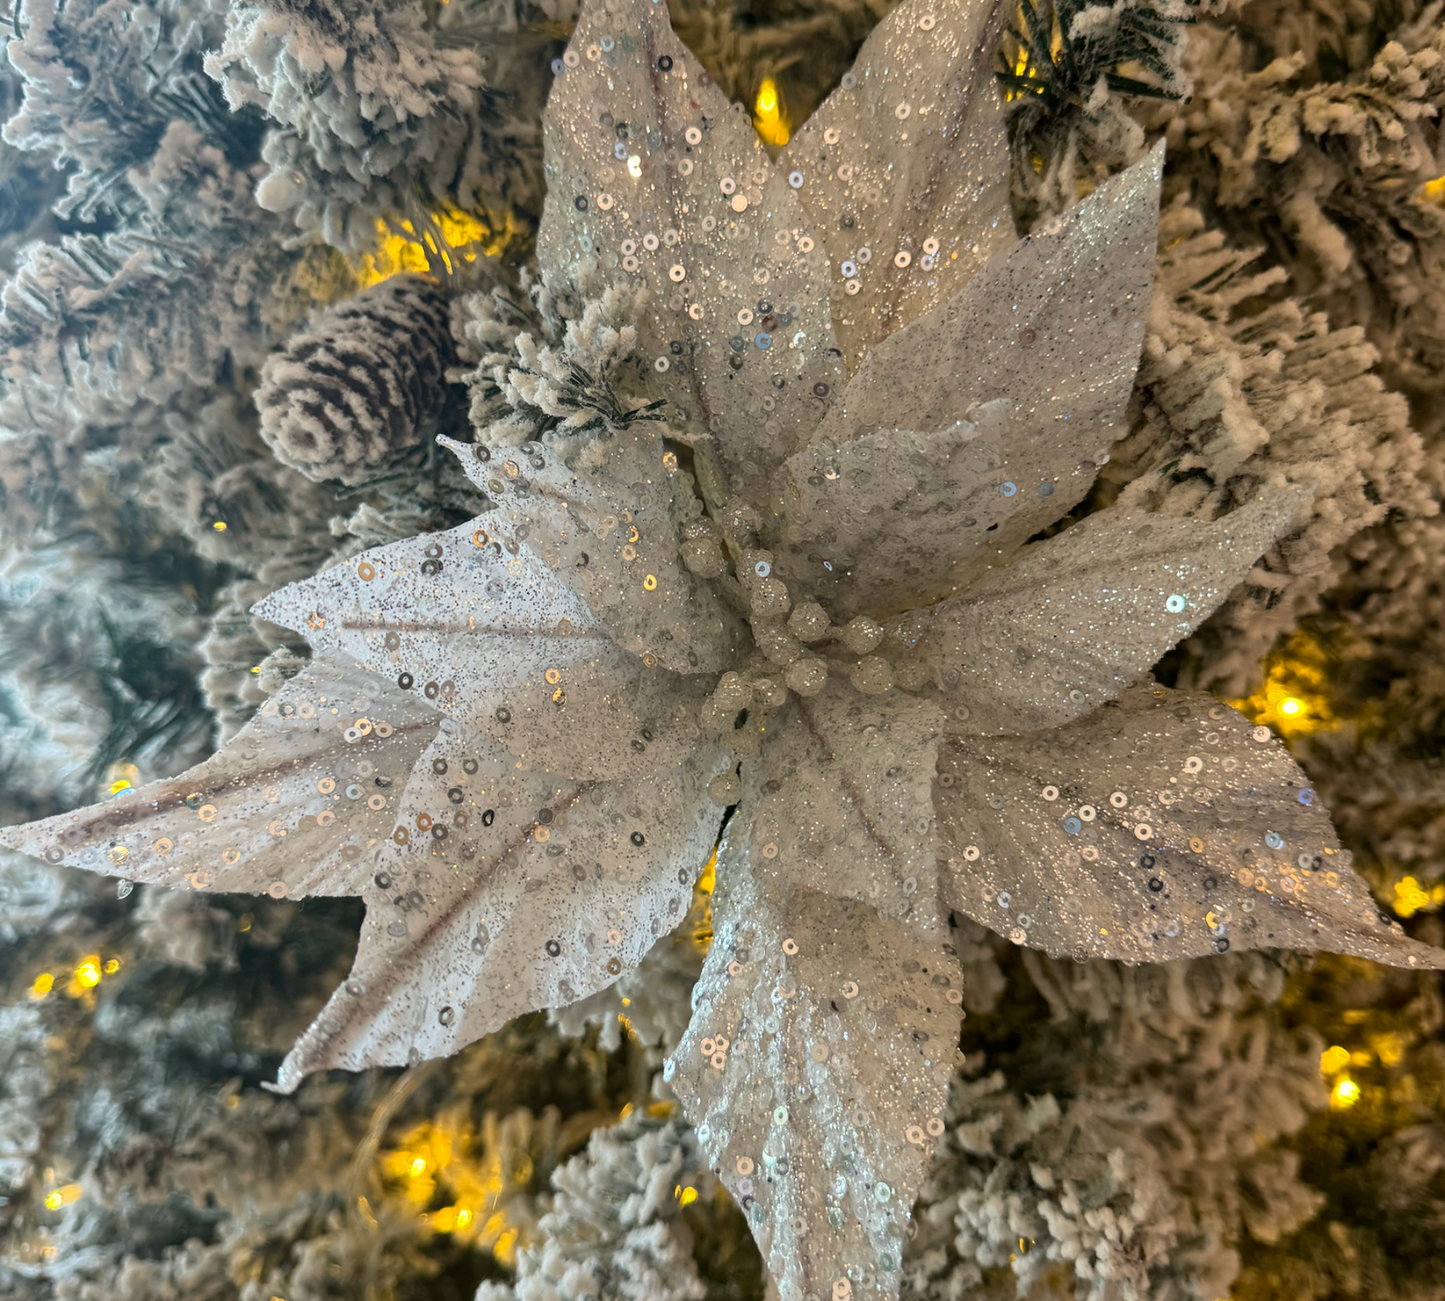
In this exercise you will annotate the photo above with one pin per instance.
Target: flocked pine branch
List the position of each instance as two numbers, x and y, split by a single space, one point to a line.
1070 69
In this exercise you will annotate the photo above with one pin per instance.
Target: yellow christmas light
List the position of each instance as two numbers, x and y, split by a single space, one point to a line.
769 118
1294 697
1411 897
401 251
451 1218
121 777
1345 1094
43 984
446 1161
62 1196
706 884
1333 1060
1390 1047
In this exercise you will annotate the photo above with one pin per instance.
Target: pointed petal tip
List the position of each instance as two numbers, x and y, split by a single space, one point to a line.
1416 954
12 839
271 608
1148 170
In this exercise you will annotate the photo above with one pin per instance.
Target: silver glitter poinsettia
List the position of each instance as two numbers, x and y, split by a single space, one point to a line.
804 586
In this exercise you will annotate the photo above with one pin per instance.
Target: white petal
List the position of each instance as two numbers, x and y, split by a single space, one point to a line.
497 641
502 892
879 524
816 1067
727 267
1163 826
1077 618
1045 341
605 523
842 801
911 160
293 805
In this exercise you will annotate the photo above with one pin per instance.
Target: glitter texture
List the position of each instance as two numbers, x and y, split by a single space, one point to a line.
785 569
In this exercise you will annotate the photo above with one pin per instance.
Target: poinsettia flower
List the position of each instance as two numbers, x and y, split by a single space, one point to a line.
807 591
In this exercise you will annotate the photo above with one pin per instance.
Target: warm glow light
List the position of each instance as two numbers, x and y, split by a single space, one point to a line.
112 966
121 777
450 1218
1333 1060
400 250
87 974
1295 697
768 117
471 1174
1345 1094
1021 65
634 166
44 983
219 526
685 1196
1391 1048
62 1196
1411 897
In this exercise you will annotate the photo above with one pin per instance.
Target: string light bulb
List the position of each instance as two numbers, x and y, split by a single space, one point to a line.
769 119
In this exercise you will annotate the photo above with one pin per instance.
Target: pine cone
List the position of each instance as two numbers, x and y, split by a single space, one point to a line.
356 389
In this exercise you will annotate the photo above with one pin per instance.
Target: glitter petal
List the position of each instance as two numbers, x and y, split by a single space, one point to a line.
1193 840
536 896
601 517
1077 618
727 232
296 796
470 625
840 1036
910 155
1046 337
842 801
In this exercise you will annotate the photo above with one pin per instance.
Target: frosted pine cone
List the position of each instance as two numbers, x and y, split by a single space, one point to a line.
358 387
